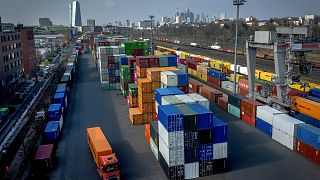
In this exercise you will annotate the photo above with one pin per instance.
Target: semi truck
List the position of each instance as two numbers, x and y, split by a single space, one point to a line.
105 159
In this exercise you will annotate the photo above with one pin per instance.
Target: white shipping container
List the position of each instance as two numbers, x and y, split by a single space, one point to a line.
166 100
267 113
171 139
263 37
200 99
174 156
286 124
244 70
154 149
283 138
191 170
220 150
185 98
169 78
237 69
227 85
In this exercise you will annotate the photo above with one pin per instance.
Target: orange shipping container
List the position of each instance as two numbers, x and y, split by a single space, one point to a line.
135 116
147 132
306 106
145 97
223 103
144 85
133 101
146 107
210 93
98 144
141 72
249 111
154 74
194 85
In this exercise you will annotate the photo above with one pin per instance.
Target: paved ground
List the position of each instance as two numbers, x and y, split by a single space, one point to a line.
252 155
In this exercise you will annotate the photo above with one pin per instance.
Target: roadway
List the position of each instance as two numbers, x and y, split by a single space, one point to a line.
263 64
252 154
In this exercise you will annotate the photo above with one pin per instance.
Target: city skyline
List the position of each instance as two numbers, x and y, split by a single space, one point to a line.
104 11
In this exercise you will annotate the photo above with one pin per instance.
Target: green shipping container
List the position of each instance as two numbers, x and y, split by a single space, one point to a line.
234 110
133 90
125 73
163 61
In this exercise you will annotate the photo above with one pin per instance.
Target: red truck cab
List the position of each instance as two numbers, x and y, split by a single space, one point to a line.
110 167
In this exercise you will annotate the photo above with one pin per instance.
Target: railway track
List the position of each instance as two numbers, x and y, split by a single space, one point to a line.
263 64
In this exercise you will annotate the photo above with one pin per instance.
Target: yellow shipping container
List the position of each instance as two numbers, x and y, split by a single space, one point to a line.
216 64
184 55
266 76
157 53
239 76
202 69
306 106
257 73
227 65
202 76
299 87
192 72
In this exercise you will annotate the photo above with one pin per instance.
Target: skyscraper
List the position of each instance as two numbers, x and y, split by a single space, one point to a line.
75 14
91 22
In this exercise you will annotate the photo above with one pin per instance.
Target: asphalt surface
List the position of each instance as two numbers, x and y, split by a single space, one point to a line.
262 64
252 154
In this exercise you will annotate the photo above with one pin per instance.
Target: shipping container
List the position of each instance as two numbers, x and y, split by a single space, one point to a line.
154 132
194 85
234 110
183 78
205 152
190 155
205 136
54 112
211 94
191 139
216 74
306 106
52 132
220 131
305 118
235 100
267 113
190 117
173 155
147 132
219 165
166 92
238 77
171 139
61 98
286 124
166 100
223 103
213 81
185 98
169 78
228 86
200 99
309 135
308 151
206 168
44 159
220 150
154 148
170 117
205 116
172 172
191 170
249 111
264 126
283 138
315 92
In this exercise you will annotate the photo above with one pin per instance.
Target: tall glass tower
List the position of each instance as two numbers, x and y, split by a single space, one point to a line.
75 14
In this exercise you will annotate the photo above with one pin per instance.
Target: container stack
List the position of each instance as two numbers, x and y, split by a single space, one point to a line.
234 104
166 96
145 62
307 142
265 118
202 72
125 79
215 77
55 114
194 86
136 48
284 130
210 93
248 111
133 95
192 141
175 78
109 66
223 103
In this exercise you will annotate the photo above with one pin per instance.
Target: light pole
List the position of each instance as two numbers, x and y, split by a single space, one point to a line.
236 3
151 40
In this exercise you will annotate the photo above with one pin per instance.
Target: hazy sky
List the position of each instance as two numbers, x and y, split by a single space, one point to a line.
104 11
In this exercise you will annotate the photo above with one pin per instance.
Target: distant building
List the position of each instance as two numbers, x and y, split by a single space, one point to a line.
145 24
88 29
28 50
75 14
10 60
178 20
91 22
45 22
262 23
222 16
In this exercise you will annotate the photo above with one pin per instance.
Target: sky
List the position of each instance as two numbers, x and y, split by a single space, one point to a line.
104 11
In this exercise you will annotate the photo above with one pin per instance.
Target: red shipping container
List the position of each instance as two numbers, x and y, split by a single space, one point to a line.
215 82
131 62
196 59
294 92
185 89
211 94
243 83
242 91
249 111
308 151
194 85
192 65
223 103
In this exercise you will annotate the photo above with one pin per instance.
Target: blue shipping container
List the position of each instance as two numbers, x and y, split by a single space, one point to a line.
305 118
205 152
117 79
170 117
172 60
183 78
60 98
216 74
264 127
220 131
116 65
51 132
312 98
205 116
62 88
124 60
166 92
309 135
54 112
190 155
315 92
